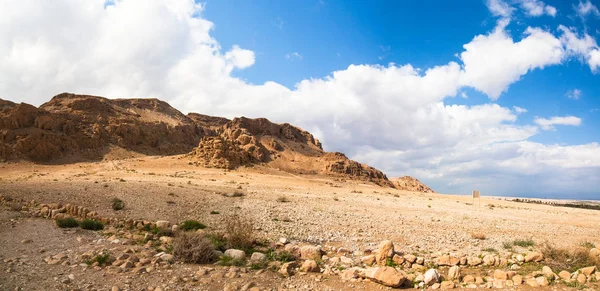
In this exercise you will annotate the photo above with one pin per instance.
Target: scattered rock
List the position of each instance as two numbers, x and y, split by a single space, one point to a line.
431 276
310 266
236 254
384 252
387 276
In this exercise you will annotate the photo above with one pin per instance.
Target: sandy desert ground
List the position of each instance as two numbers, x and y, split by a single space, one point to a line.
342 216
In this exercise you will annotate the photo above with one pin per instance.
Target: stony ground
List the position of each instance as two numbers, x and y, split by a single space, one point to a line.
304 209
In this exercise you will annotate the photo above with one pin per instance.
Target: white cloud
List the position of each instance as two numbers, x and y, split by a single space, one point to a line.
293 56
585 8
492 62
500 8
574 94
519 110
394 117
584 47
537 8
548 124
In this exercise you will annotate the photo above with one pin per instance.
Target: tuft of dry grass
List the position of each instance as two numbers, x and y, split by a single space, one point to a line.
192 247
239 232
283 199
570 260
478 235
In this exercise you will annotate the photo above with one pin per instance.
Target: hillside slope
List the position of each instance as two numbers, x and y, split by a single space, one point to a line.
83 127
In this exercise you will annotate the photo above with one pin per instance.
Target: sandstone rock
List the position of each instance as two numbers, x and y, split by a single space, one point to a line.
163 224
468 279
349 274
489 260
588 271
385 251
500 275
542 281
566 276
454 273
309 266
410 258
474 261
287 269
398 260
581 279
447 260
534 257
368 260
447 285
594 252
498 284
435 286
386 276
166 258
431 276
532 282
258 258
236 254
478 280
310 252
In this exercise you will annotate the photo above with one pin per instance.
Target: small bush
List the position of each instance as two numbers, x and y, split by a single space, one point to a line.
162 232
235 194
239 232
524 243
490 250
190 247
91 224
190 225
101 259
218 241
570 260
117 204
507 245
68 222
283 199
478 235
16 206
587 245
282 256
214 212
229 261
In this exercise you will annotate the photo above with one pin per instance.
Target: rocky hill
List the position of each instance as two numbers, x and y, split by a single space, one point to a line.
84 127
409 183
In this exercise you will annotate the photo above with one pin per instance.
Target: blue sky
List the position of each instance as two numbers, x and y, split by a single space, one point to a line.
499 95
330 35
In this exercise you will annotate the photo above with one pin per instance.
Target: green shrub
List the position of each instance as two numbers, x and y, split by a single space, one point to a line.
283 199
101 259
91 224
524 242
190 225
117 204
229 261
214 212
68 222
283 256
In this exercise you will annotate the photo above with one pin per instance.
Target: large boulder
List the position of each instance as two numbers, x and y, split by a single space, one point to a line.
384 252
387 276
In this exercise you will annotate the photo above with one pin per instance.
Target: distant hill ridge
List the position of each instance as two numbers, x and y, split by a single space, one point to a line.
87 127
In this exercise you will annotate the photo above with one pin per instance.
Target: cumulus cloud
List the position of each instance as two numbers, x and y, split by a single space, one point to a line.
537 8
548 124
584 47
574 94
395 117
586 8
492 62
500 8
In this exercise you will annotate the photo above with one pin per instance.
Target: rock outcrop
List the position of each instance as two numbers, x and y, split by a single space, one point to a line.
410 184
82 127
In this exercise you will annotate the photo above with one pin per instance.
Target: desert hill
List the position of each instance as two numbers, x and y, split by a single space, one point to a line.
85 127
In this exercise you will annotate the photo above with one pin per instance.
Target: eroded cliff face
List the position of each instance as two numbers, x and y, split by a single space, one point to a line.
80 125
87 127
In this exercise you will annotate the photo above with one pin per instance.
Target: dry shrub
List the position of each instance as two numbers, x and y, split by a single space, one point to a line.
239 232
16 206
478 235
568 259
192 247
